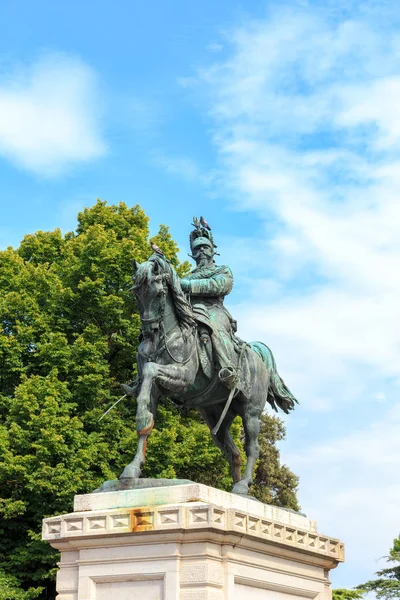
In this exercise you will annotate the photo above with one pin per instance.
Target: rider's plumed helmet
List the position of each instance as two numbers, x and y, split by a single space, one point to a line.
201 235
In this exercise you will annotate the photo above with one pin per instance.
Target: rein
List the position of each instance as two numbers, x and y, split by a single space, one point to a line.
163 345
179 362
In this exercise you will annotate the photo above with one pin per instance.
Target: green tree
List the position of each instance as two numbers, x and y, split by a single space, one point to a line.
10 589
274 483
68 338
387 586
342 594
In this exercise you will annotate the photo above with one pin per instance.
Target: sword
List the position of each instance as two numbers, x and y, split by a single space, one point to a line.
215 430
111 407
128 392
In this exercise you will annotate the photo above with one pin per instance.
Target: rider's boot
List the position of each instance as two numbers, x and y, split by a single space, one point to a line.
130 389
227 374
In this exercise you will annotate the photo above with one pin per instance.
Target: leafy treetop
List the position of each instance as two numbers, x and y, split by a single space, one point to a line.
343 594
387 586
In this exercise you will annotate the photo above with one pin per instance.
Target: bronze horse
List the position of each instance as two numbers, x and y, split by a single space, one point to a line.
169 365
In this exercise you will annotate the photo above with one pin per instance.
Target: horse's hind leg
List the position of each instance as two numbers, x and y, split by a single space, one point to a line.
223 438
251 426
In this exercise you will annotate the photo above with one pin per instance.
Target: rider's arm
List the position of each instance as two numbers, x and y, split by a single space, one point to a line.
217 285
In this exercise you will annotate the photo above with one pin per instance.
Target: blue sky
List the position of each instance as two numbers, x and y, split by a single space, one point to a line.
280 122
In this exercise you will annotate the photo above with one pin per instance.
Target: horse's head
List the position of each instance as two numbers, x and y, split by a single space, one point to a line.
151 282
150 288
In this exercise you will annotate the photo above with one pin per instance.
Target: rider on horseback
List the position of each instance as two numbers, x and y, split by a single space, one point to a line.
169 366
207 285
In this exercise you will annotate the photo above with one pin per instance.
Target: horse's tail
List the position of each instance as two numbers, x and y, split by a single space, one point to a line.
279 395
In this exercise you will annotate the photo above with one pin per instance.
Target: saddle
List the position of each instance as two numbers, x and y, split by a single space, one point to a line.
209 358
203 340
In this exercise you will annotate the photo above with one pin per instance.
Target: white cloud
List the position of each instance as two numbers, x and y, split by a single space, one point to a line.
350 486
306 122
181 166
215 47
50 115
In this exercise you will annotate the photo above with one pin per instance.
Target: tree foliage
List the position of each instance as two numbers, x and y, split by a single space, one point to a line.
273 483
68 338
10 589
387 586
342 594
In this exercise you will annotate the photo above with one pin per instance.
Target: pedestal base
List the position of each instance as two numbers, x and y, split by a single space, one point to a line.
188 542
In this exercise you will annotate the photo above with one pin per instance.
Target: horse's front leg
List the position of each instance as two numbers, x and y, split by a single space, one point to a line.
172 378
147 401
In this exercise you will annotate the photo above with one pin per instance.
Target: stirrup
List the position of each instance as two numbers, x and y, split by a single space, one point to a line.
228 376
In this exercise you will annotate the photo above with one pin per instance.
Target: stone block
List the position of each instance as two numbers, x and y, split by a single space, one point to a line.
188 542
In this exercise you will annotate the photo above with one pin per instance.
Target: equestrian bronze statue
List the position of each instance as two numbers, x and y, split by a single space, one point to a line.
189 352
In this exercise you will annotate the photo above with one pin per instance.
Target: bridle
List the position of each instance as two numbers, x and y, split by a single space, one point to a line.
160 316
163 341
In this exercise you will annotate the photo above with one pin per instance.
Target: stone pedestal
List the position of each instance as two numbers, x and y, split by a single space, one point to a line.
188 542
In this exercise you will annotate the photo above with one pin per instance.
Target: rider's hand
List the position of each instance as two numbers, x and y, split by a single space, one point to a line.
185 283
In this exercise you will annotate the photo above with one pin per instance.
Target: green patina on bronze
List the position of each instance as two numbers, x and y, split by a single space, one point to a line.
190 352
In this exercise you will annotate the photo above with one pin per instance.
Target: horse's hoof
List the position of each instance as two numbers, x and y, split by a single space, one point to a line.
241 487
130 473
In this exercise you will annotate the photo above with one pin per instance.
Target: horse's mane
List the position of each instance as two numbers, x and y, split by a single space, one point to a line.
142 274
183 308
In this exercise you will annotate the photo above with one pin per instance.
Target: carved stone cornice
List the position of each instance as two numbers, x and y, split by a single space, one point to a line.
232 517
